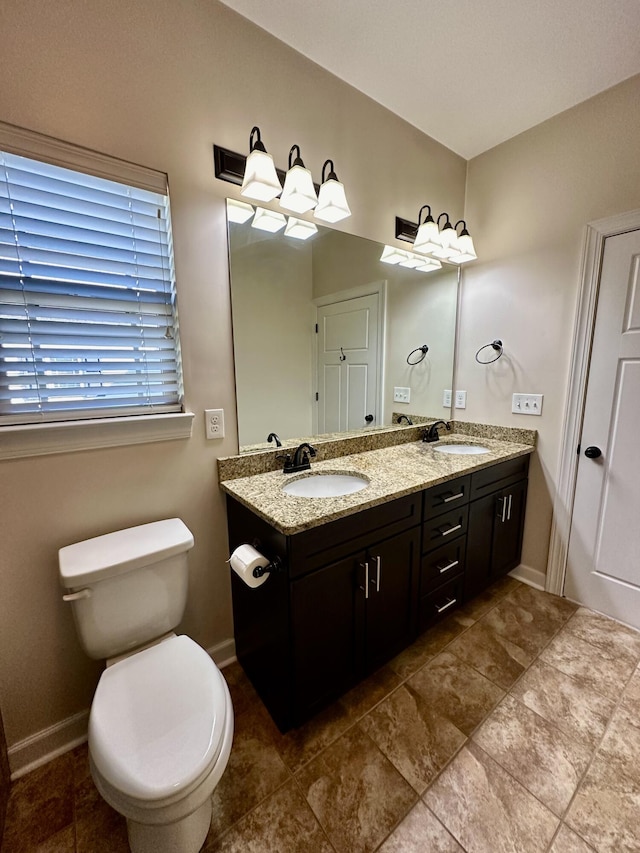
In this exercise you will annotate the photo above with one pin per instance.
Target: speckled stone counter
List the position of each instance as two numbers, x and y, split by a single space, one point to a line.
392 473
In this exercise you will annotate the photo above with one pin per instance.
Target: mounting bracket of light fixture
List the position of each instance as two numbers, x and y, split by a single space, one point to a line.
229 166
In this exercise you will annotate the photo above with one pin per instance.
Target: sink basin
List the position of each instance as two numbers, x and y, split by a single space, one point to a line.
468 449
325 485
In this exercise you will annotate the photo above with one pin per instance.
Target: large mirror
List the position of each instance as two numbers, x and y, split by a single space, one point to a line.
322 331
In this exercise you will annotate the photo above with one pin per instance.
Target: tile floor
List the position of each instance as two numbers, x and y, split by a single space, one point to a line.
512 727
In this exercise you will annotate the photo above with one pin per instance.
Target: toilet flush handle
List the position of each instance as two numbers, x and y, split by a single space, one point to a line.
74 596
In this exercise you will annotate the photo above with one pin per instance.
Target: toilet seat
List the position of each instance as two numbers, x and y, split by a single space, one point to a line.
158 721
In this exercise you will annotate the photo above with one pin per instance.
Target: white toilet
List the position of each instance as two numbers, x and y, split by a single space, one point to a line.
161 722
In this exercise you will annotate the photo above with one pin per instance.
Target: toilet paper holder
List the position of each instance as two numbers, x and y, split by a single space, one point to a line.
275 566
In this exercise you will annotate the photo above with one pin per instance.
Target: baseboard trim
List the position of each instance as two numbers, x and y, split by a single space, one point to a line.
49 743
530 576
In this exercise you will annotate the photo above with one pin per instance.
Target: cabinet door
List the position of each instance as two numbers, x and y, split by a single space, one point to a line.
482 513
327 616
392 604
508 527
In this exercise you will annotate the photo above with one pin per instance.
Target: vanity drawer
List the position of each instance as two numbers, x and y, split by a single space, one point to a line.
444 528
442 564
444 497
499 476
440 602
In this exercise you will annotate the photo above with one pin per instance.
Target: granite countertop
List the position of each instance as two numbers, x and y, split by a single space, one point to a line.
392 471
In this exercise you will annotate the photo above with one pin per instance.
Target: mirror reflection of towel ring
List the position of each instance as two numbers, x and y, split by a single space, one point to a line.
424 349
496 346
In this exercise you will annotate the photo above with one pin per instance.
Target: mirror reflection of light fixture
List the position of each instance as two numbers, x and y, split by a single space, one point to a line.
429 265
268 220
300 229
391 255
447 239
238 211
260 180
332 200
298 193
427 238
464 244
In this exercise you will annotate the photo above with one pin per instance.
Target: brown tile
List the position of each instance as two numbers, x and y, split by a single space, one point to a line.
282 822
458 691
427 646
604 671
629 708
569 703
420 830
243 693
566 841
254 771
606 809
539 603
40 806
488 598
546 761
496 657
486 810
355 792
299 746
99 828
364 696
61 842
528 617
414 735
606 634
504 586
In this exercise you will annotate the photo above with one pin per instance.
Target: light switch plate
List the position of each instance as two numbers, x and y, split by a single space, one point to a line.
214 423
527 404
402 395
446 398
461 399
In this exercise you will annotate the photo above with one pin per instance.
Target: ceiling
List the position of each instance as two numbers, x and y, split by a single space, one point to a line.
469 74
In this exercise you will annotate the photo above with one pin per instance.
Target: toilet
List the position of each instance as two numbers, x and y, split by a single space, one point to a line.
161 721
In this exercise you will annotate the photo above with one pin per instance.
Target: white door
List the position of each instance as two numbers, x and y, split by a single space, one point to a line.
603 568
348 364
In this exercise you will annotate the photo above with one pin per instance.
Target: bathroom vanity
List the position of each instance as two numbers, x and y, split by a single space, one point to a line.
354 590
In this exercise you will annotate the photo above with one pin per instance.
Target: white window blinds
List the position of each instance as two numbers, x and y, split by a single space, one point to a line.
88 325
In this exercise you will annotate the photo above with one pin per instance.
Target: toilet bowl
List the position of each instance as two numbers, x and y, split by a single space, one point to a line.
161 721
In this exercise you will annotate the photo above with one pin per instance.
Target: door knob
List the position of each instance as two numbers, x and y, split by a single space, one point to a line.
368 418
592 452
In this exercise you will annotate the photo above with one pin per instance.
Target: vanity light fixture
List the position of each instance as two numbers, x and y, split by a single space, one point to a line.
332 200
260 180
300 229
391 255
427 238
268 220
464 244
298 193
447 240
238 211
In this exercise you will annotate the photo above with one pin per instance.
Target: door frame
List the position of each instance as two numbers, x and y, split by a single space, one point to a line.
595 234
378 288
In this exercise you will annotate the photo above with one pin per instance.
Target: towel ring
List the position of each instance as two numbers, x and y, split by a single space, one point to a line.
424 349
494 345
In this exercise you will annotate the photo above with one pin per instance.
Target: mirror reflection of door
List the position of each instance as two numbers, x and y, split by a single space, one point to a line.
348 375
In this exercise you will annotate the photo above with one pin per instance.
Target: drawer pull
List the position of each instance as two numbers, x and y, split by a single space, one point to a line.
453 497
446 606
449 530
450 565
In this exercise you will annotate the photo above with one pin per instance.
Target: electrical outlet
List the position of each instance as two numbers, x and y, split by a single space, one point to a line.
214 423
401 395
527 404
446 398
461 399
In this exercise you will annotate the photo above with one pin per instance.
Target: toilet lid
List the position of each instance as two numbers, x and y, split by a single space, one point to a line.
157 719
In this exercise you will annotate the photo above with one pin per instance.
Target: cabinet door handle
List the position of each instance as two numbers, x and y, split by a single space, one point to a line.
449 530
453 497
376 582
502 509
446 606
450 565
509 508
365 566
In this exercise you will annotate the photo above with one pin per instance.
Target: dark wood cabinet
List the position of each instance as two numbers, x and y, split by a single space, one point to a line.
354 592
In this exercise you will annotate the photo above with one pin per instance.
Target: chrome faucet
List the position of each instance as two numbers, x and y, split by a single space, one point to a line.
431 433
300 460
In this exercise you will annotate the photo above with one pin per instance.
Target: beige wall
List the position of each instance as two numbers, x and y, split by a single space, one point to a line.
157 82
528 201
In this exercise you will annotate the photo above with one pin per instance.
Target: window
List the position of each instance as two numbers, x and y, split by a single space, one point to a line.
88 326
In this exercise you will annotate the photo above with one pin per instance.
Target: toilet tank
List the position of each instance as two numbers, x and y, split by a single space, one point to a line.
127 588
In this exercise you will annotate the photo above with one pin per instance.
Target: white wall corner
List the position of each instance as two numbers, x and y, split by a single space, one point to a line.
530 576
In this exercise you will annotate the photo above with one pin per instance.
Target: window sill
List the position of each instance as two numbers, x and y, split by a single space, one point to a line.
43 439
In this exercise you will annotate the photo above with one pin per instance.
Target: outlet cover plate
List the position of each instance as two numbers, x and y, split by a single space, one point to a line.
526 404
401 395
446 398
461 399
214 423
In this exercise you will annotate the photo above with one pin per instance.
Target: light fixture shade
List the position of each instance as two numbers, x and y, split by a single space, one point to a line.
427 238
261 180
332 199
413 261
298 193
300 229
466 249
447 239
391 255
429 265
238 211
268 220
